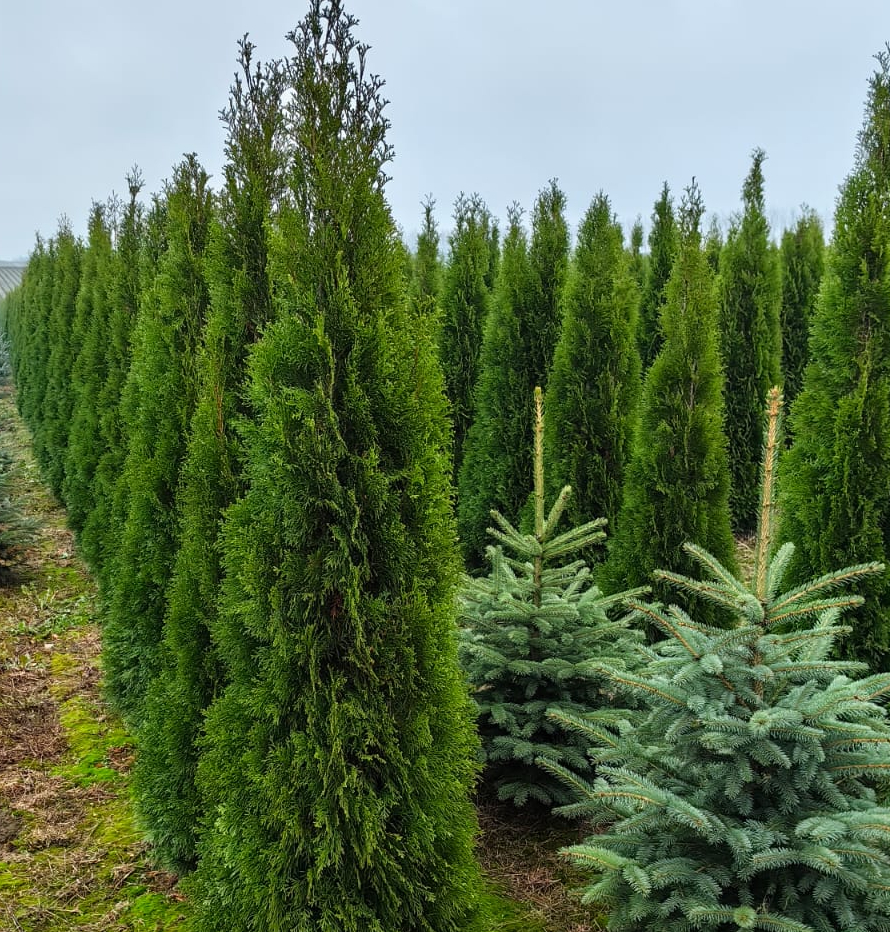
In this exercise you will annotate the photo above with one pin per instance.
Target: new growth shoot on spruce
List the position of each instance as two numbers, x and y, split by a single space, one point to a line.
742 792
526 627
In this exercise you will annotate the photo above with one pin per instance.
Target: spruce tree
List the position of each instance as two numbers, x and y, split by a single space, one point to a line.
466 298
837 473
677 483
86 373
743 793
63 341
338 759
751 342
97 537
802 264
241 305
662 250
517 354
163 372
526 628
594 386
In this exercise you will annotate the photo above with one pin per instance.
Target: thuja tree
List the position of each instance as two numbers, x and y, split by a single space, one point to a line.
241 305
97 537
803 264
744 793
677 483
516 356
426 272
594 385
31 345
714 245
163 370
837 481
751 342
87 372
526 628
662 250
639 261
63 340
338 758
466 298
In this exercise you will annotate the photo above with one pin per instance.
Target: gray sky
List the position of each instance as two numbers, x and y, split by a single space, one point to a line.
494 96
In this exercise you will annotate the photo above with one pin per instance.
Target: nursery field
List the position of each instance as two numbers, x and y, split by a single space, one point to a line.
71 854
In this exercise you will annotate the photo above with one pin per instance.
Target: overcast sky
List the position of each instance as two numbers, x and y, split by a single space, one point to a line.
494 96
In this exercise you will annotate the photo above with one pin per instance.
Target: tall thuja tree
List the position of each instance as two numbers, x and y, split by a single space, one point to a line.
97 538
743 792
87 372
31 378
714 245
337 761
517 355
802 261
426 277
751 341
164 372
662 250
837 473
63 335
677 483
241 306
465 300
639 261
594 386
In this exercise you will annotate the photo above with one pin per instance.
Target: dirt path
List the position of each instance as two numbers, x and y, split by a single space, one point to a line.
70 855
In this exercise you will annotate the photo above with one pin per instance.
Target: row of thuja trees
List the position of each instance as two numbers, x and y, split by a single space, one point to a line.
238 397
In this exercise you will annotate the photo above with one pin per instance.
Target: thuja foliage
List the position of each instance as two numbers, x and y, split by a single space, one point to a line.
517 353
466 299
677 481
51 429
337 760
241 305
639 261
744 791
98 535
837 479
86 372
163 374
662 250
526 627
29 339
750 340
803 264
594 386
426 269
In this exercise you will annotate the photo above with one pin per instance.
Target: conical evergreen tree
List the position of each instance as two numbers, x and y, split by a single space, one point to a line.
241 305
338 759
639 261
802 264
526 628
98 536
517 354
466 298
86 373
63 341
426 278
837 473
677 482
594 386
714 245
743 793
163 366
662 250
34 342
751 342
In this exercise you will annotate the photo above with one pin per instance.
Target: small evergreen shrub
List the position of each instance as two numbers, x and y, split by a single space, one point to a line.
525 629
